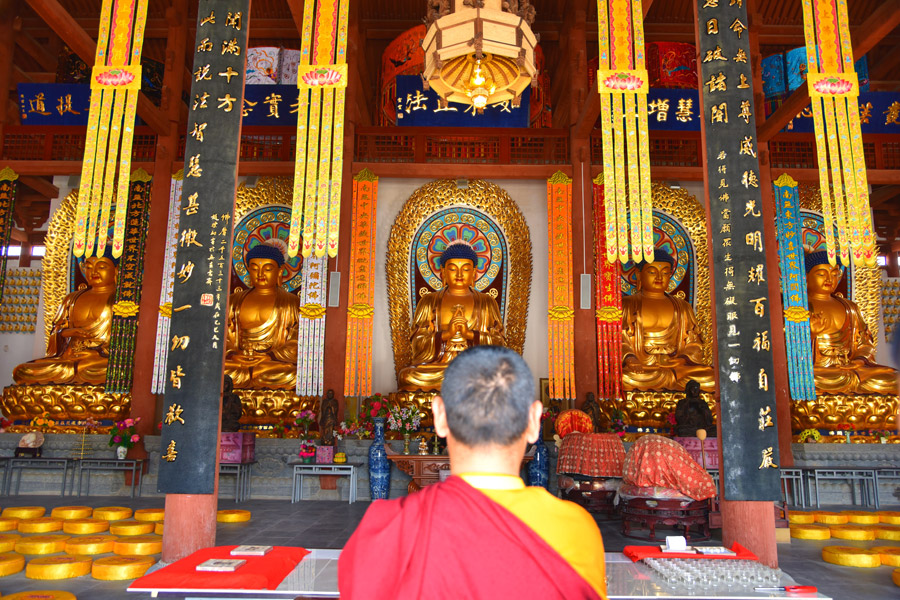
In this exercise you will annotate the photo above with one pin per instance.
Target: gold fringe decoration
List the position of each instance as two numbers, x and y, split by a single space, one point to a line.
10 563
232 516
41 525
851 557
58 567
8 541
810 532
91 544
890 555
112 513
561 314
623 84
115 87
42 544
830 518
82 526
319 163
24 512
852 532
139 545
801 518
834 91
149 514
117 568
131 528
888 532
72 512
861 517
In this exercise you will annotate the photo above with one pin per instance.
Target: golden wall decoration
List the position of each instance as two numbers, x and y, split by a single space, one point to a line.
57 259
268 191
435 196
61 402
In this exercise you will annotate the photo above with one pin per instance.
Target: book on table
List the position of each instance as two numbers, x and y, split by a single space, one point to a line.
221 564
251 551
716 550
685 550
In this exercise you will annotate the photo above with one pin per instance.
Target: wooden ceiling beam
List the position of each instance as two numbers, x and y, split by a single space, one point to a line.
881 195
36 51
296 7
40 185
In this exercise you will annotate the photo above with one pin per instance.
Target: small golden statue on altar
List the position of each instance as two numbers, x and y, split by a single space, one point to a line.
843 350
661 344
261 347
78 348
450 320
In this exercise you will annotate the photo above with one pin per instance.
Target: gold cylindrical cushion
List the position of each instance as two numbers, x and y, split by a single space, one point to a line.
895 576
112 513
810 532
158 528
851 557
852 532
9 524
8 541
10 563
830 518
861 517
42 595
131 527
71 512
138 545
890 555
83 526
887 532
41 525
115 568
232 516
58 567
801 518
42 544
891 517
24 512
90 544
149 514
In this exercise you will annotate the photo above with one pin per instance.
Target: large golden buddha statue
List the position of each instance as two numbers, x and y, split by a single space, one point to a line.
261 347
450 320
78 349
661 344
843 350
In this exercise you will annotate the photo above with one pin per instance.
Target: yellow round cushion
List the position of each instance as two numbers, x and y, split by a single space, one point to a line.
42 544
41 525
852 532
149 514
895 576
830 518
71 512
91 544
801 518
233 516
891 517
861 517
138 545
887 532
851 557
131 527
9 524
115 568
112 513
10 563
85 526
8 541
158 528
42 595
890 555
810 532
24 512
58 567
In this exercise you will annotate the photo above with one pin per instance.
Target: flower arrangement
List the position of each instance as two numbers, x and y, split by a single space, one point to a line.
670 420
305 419
4 423
124 433
281 428
405 420
43 422
346 428
809 434
374 407
617 422
307 449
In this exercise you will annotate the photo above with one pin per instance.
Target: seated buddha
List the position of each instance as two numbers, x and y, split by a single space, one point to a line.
843 350
450 320
261 347
661 344
78 348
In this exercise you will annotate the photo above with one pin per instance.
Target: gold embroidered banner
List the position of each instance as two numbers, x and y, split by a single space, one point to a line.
318 167
608 300
623 85
361 295
115 86
561 300
834 89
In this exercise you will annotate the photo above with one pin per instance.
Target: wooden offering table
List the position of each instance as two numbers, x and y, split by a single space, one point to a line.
425 469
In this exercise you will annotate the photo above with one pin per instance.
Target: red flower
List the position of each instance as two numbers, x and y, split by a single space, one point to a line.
376 406
373 413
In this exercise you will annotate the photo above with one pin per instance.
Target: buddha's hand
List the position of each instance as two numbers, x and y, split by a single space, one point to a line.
633 365
817 322
72 332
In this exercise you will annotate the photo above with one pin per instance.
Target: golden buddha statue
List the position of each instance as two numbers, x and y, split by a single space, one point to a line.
450 320
78 349
843 350
261 347
661 344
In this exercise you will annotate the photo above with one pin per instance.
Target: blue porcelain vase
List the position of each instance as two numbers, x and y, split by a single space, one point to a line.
539 467
379 465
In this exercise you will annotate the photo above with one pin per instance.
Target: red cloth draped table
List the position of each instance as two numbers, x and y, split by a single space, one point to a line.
590 468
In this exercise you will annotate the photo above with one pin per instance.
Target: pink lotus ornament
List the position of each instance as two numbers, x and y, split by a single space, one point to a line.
623 81
115 77
325 76
832 85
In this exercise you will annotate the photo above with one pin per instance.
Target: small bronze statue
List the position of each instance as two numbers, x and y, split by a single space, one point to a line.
328 418
231 407
692 413
592 408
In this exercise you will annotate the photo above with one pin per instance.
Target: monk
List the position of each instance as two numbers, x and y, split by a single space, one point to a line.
481 533
78 348
450 320
661 344
261 349
843 350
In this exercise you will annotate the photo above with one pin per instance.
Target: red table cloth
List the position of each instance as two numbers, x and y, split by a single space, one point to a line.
592 454
655 460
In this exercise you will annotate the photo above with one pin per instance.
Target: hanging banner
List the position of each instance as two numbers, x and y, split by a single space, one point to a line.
608 300
747 394
193 398
561 296
164 321
8 187
311 334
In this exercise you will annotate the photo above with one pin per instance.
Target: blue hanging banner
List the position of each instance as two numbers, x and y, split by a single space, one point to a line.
419 108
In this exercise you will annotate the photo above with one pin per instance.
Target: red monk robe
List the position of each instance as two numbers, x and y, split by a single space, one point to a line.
451 540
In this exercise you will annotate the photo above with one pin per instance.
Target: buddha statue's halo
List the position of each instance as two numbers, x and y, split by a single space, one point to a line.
458 249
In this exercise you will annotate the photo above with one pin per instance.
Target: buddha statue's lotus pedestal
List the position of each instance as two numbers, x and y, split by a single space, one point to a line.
62 403
263 408
835 411
651 409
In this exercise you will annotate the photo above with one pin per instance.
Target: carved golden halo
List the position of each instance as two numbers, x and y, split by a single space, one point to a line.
430 198
56 262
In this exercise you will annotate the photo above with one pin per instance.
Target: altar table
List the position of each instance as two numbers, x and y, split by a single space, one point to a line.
425 469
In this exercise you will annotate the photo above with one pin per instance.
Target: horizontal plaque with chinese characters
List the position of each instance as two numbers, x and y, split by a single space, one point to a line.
196 346
746 390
